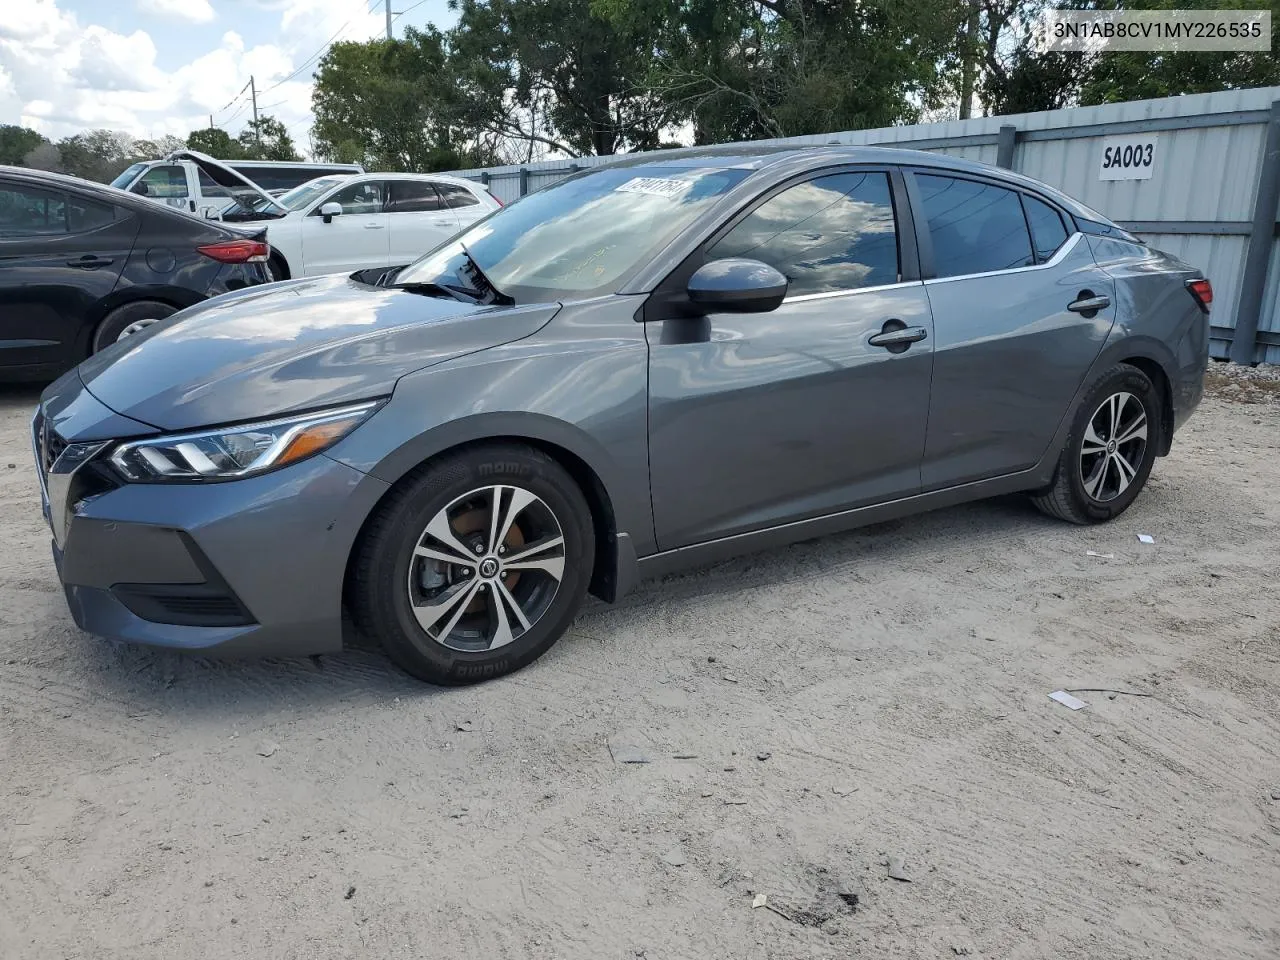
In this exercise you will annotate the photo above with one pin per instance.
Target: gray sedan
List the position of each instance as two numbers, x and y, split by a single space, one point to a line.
652 365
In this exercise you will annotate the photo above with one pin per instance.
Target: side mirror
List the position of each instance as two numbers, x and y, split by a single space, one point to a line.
737 285
330 210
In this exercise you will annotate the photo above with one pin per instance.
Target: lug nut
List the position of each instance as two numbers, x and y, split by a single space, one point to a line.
479 549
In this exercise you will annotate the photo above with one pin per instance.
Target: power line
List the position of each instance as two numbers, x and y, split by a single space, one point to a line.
315 56
409 10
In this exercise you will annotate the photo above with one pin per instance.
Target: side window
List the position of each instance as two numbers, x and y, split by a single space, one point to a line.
456 196
84 215
976 227
358 198
1047 230
29 212
210 189
413 196
163 183
832 233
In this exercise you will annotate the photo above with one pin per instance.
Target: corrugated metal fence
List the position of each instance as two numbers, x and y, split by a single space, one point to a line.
1211 198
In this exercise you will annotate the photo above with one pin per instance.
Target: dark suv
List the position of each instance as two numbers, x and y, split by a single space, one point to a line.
82 265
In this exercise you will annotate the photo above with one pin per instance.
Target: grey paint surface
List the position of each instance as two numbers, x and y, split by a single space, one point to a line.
706 437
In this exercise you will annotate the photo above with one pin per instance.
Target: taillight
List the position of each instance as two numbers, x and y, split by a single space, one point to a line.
1202 290
237 251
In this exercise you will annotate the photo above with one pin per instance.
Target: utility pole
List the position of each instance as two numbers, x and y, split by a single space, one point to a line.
253 93
211 121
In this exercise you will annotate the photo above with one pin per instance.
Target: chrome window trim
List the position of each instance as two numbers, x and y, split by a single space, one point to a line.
829 294
1063 252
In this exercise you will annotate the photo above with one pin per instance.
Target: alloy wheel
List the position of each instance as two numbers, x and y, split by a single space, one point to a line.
486 568
1115 443
136 327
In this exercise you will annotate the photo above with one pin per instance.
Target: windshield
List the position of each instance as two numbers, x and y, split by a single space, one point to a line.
127 175
580 237
302 195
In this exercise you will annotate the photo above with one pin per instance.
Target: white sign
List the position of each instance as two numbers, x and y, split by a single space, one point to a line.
1128 158
654 186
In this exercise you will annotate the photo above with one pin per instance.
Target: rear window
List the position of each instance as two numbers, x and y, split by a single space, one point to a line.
976 227
27 211
1047 231
456 196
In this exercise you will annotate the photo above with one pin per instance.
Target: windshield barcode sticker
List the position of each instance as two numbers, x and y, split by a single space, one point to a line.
654 186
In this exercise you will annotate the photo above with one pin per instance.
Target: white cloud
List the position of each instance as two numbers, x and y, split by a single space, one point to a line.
190 11
61 75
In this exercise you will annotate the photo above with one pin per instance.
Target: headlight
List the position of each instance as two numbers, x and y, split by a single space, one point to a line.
227 453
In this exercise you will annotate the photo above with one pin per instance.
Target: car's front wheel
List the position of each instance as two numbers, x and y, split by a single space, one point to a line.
475 564
1110 451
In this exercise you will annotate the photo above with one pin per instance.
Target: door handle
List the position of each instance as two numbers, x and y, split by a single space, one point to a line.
88 262
896 337
1089 304
373 226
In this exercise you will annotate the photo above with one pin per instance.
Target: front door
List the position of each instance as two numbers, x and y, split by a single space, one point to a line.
355 239
768 418
1009 350
419 219
60 254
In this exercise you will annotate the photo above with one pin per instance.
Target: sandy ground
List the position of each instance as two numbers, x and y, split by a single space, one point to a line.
806 714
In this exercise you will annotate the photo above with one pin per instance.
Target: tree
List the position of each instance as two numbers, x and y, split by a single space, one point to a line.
1115 77
776 68
96 154
266 139
562 73
16 142
215 142
393 105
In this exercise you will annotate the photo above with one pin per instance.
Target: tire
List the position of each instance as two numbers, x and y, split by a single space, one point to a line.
278 267
1101 469
441 620
116 324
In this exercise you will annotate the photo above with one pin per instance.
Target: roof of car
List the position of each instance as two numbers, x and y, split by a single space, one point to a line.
800 158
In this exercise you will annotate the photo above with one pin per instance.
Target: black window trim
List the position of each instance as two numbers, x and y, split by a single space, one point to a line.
667 297
924 241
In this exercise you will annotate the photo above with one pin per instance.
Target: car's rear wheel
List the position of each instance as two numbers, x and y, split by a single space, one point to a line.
1110 451
278 267
475 565
125 321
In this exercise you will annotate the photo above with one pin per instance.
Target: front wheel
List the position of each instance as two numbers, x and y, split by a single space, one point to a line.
475 565
1110 451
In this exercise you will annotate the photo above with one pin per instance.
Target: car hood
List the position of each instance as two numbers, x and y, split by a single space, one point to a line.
291 346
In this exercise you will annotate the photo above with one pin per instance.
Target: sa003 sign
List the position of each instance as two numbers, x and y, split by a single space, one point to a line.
1128 158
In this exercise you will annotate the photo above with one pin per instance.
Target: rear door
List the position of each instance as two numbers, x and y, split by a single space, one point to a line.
418 219
1003 270
759 419
357 238
60 254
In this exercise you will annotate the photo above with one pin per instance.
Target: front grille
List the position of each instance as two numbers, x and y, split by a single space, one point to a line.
183 604
53 447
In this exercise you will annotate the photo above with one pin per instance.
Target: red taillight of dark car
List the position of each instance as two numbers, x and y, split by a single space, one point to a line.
237 251
1202 290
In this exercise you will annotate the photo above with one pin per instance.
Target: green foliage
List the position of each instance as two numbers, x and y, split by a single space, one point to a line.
1115 77
266 139
16 142
216 143
392 105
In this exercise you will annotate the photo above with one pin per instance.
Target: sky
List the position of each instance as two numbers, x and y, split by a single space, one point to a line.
157 67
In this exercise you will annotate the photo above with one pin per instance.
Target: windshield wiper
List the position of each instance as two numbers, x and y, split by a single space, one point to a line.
482 286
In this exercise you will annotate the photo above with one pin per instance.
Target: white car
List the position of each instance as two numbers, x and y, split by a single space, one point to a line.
341 224
344 223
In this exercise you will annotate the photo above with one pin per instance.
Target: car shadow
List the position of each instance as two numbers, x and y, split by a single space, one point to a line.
170 683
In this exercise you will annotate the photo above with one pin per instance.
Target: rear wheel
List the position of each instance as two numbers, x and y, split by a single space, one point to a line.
1110 451
475 565
129 319
277 267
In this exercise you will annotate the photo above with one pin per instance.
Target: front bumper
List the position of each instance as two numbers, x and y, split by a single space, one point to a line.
245 567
